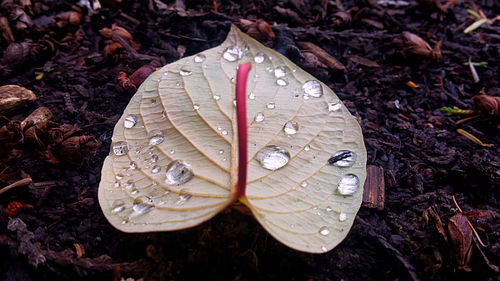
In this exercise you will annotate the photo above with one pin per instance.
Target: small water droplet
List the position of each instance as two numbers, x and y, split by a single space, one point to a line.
271 105
130 121
164 114
324 231
143 205
324 249
312 88
233 80
259 57
178 84
306 96
224 133
125 221
259 117
117 184
130 184
234 102
219 128
342 158
119 176
216 97
279 72
269 69
270 58
342 216
117 206
154 101
294 70
120 148
199 58
281 82
154 158
196 106
291 127
334 106
221 151
156 137
172 152
251 96
184 196
307 147
185 72
178 172
328 209
272 157
165 73
156 169
232 54
132 165
348 184
304 184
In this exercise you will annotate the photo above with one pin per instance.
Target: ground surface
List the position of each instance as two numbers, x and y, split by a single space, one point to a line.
425 160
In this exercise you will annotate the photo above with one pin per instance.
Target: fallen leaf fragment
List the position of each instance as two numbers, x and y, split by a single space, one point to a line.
74 149
13 97
119 39
413 45
258 29
322 55
460 235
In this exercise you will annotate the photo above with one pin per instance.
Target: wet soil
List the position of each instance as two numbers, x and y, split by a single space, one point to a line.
425 160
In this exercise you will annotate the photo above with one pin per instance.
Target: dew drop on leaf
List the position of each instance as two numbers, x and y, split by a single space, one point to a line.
199 58
154 158
117 206
221 151
271 105
307 147
178 172
143 205
342 158
312 88
259 117
132 165
130 121
281 82
348 184
259 57
120 148
251 96
304 184
156 137
185 72
342 216
324 231
291 128
216 97
334 106
232 54
224 133
196 106
273 157
279 72
156 169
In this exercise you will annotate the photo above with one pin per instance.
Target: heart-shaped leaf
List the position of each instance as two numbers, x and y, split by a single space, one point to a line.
173 152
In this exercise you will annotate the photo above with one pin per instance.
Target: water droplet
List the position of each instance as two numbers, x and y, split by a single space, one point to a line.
196 106
232 54
164 114
272 157
172 152
324 231
184 196
234 102
324 249
342 216
154 158
120 148
306 97
178 172
224 133
271 105
279 72
342 158
270 58
178 84
221 151
156 137
251 96
216 97
153 101
119 176
130 121
117 206
233 80
259 117
117 184
328 209
307 147
156 169
143 205
199 58
165 73
291 128
312 88
130 184
348 184
304 184
334 106
184 71
132 165
281 82
269 69
259 57
124 221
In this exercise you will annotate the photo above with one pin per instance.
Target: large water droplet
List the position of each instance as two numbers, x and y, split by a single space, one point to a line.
271 105
156 169
291 128
281 82
348 184
324 231
272 157
232 54
251 96
259 117
143 205
279 72
334 106
342 158
178 172
342 216
199 58
184 71
312 88
130 121
259 57
156 137
120 148
117 206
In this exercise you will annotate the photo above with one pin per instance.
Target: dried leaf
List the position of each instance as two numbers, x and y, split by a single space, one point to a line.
322 55
413 45
460 239
171 156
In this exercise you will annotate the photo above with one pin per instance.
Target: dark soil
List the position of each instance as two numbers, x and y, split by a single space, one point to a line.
425 160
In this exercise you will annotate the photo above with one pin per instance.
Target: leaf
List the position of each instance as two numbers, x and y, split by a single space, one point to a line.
182 117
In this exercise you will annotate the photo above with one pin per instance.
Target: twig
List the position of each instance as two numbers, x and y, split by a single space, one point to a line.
22 182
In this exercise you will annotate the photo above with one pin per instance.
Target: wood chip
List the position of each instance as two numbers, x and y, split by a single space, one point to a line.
322 55
13 97
374 189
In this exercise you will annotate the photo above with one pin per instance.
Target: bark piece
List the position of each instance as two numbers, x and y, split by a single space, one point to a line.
322 55
374 190
13 97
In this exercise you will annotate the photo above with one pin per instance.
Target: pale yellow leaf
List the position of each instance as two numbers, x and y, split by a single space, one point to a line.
185 112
